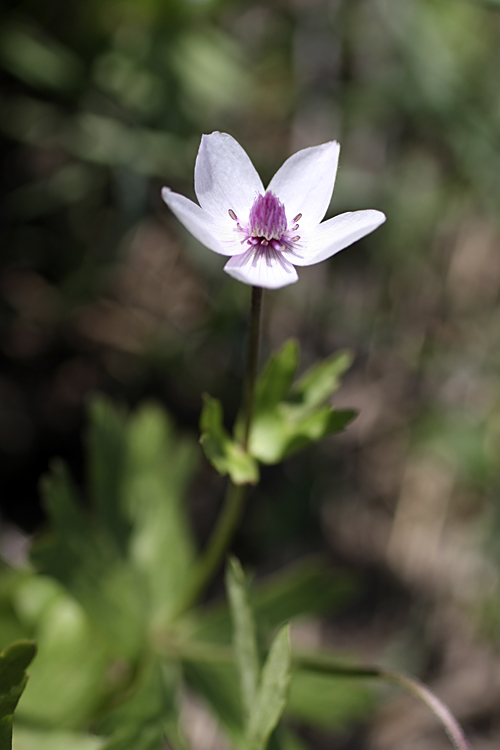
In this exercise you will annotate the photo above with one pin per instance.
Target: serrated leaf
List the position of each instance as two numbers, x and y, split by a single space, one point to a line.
289 416
270 699
225 454
13 663
244 637
321 380
315 426
159 467
276 380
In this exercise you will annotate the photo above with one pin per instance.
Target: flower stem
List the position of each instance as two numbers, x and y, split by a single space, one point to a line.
217 545
230 515
252 362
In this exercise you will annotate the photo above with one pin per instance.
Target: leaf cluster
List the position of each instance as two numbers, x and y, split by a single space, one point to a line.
288 415
113 661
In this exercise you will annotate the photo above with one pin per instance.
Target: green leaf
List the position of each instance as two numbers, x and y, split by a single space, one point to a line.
106 465
303 588
36 739
244 639
13 662
321 380
270 699
288 416
159 467
95 573
218 685
70 676
277 377
139 721
328 702
226 455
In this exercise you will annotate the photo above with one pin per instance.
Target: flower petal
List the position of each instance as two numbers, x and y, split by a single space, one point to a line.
335 234
269 270
199 223
304 184
225 178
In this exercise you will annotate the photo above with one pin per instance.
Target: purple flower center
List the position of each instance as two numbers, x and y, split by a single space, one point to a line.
267 218
267 227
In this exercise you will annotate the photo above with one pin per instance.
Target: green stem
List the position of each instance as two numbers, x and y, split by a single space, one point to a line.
217 545
252 362
230 516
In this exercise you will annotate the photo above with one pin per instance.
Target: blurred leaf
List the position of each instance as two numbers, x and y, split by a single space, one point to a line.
214 76
106 470
13 662
139 721
12 626
489 3
320 381
159 467
289 416
80 558
277 377
244 639
328 702
225 454
38 60
35 739
270 699
218 685
303 588
284 739
69 677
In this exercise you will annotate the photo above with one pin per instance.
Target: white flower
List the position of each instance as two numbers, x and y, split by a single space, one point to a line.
267 232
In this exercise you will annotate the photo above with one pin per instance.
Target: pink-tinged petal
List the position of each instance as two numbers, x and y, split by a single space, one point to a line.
199 223
335 234
304 184
269 270
225 178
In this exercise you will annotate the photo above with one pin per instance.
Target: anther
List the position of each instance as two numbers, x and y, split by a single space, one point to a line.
295 227
299 216
295 239
232 215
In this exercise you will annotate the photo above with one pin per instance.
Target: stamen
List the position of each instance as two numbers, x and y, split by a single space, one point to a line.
299 216
267 218
232 215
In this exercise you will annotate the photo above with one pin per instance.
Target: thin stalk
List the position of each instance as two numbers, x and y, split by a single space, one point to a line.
252 362
221 537
208 653
420 691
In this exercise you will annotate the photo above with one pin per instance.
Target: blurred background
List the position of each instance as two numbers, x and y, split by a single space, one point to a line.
101 289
